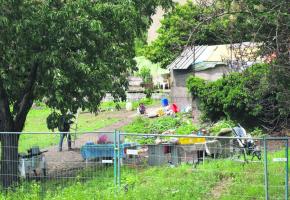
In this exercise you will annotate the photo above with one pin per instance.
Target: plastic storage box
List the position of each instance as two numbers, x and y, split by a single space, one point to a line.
191 140
93 151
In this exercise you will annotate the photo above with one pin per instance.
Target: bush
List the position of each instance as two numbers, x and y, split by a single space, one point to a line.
160 125
217 127
257 132
145 74
186 128
237 96
146 125
139 125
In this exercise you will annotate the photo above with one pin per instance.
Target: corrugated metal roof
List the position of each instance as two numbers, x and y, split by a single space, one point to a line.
210 56
187 57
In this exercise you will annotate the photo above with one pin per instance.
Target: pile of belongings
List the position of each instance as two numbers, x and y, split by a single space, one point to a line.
166 109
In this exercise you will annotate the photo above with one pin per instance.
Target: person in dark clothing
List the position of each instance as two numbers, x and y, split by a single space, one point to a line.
142 109
64 127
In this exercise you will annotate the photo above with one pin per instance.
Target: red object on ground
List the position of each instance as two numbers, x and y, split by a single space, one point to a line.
174 108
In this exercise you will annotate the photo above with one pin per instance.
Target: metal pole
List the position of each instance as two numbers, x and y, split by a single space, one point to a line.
266 168
286 178
115 158
119 159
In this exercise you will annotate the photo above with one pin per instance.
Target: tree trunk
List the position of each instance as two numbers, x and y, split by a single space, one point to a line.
9 159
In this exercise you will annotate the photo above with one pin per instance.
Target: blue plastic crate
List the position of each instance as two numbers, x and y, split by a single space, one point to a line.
92 151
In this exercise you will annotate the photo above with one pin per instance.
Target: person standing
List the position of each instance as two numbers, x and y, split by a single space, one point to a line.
64 128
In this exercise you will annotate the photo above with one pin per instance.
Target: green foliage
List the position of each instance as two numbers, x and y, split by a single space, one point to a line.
194 24
145 101
159 125
146 125
52 120
145 74
71 53
162 124
196 85
187 128
67 52
140 43
148 92
217 127
111 105
237 96
139 125
162 182
257 132
155 69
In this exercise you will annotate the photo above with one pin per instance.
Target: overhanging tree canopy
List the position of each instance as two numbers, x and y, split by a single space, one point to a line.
69 52
218 22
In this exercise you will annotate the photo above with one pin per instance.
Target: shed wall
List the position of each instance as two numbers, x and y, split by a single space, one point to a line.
179 77
212 74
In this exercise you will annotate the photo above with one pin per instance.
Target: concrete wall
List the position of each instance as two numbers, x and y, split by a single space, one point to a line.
178 77
212 74
179 93
180 96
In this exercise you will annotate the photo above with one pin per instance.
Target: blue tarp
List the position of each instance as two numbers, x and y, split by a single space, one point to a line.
92 151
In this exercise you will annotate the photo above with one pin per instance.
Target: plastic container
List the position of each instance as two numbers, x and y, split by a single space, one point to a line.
129 106
191 140
164 102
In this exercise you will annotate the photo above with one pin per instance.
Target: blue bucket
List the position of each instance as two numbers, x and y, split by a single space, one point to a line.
164 102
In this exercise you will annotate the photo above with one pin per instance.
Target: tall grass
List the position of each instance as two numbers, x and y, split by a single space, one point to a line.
215 179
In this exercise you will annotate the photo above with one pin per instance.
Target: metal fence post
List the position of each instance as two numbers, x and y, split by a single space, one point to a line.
119 158
115 157
266 169
286 178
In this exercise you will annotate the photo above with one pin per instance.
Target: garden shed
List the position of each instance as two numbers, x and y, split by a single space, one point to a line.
209 63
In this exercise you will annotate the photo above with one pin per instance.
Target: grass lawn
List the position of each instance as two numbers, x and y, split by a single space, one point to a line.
154 183
36 122
110 105
216 179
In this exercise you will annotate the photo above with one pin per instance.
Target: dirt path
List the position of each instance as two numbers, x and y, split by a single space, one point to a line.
66 162
220 188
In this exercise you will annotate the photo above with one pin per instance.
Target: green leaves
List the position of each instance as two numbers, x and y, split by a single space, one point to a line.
196 85
183 26
83 49
237 96
52 120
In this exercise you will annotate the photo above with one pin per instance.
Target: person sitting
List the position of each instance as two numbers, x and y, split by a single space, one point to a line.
142 109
